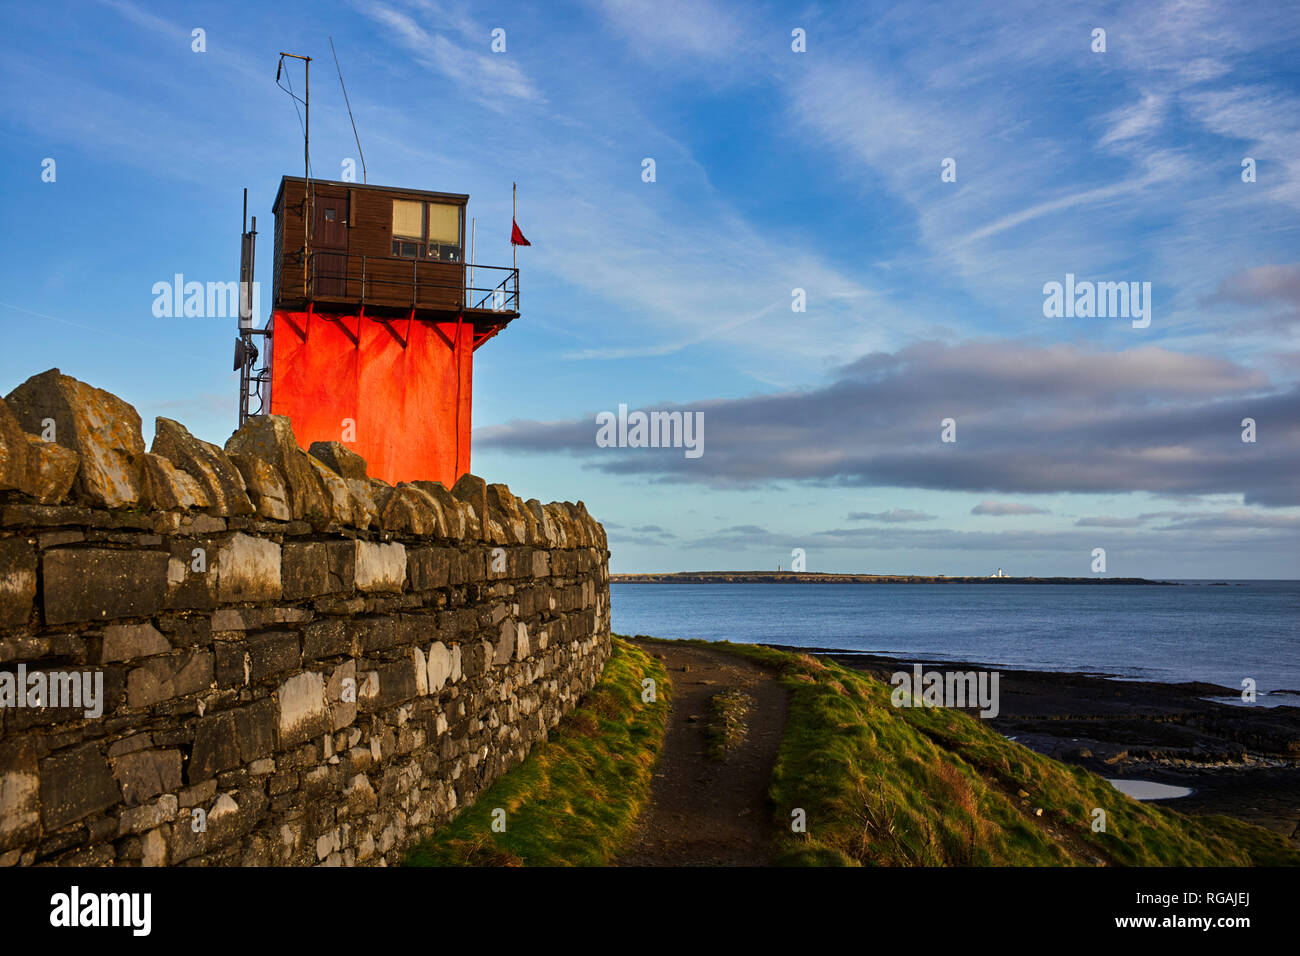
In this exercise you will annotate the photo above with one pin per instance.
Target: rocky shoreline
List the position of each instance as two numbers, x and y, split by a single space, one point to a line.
1239 760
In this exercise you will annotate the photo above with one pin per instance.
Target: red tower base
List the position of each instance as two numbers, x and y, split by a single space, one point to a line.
395 391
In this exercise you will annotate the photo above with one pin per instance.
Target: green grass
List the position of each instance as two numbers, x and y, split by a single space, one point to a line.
577 795
887 786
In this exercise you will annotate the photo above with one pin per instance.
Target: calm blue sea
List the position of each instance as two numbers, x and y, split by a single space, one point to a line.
1194 632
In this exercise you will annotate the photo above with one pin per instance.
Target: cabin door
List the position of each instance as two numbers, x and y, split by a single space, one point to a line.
330 249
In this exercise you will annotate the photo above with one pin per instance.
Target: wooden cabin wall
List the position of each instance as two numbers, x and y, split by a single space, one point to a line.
369 217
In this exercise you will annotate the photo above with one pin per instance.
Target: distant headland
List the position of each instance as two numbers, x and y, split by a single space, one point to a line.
808 577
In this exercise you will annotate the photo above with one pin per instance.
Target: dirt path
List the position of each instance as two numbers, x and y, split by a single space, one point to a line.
705 811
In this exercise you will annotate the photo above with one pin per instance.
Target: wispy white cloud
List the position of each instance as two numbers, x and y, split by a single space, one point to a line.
492 80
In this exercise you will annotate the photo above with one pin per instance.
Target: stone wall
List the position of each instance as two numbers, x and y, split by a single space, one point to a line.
299 664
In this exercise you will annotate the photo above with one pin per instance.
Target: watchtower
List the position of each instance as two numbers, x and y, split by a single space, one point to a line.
375 319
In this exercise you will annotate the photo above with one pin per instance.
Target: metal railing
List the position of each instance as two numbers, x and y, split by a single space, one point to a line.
417 282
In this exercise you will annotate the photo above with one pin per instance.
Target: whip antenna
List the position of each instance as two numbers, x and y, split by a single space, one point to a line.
364 178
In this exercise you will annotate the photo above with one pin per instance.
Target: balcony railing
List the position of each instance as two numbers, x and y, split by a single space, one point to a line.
414 283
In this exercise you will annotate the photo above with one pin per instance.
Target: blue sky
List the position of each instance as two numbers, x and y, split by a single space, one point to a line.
775 170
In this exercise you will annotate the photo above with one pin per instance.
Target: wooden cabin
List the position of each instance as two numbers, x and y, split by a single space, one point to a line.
375 318
384 248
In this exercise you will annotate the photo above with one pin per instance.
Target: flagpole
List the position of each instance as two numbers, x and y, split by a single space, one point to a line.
514 218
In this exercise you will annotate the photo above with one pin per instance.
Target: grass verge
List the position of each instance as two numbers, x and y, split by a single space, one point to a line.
887 786
577 795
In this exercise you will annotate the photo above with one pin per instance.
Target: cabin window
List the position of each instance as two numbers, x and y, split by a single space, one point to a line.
426 230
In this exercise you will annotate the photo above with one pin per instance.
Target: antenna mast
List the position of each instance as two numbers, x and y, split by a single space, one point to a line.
251 379
308 200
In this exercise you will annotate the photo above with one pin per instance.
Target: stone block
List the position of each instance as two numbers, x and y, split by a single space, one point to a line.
192 573
20 793
126 642
273 654
303 712
92 584
231 739
378 633
161 678
426 568
341 504
147 773
380 567
541 564
248 570
455 524
17 581
232 666
504 651
148 817
74 784
328 638
472 490
342 693
439 666
305 571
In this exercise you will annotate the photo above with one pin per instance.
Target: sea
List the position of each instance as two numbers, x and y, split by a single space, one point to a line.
1218 632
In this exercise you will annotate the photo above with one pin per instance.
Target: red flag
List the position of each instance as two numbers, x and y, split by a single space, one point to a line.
517 237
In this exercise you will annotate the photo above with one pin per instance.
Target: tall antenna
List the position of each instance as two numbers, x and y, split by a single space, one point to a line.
252 381
308 201
364 178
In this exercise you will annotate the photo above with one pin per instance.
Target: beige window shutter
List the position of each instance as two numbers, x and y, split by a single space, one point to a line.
444 223
406 219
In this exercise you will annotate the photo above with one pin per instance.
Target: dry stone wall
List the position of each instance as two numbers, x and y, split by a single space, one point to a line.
297 664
